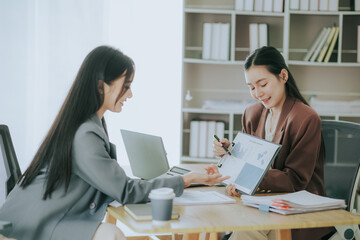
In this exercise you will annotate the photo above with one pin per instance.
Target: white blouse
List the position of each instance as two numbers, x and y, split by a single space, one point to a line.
269 135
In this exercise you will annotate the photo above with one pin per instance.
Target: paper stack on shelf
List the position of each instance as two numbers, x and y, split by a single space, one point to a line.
297 202
227 105
324 107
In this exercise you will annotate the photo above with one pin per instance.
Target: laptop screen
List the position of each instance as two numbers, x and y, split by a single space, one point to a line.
146 154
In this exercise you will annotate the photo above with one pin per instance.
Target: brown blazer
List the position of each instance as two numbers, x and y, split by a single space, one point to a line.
300 162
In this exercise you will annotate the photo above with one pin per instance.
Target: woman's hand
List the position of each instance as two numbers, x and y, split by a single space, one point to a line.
203 178
231 190
212 169
219 151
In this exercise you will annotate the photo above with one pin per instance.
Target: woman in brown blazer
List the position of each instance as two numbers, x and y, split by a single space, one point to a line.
283 116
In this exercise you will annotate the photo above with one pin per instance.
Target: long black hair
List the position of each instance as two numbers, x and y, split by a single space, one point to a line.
273 60
86 96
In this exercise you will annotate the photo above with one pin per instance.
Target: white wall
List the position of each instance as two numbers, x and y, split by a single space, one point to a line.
150 32
43 43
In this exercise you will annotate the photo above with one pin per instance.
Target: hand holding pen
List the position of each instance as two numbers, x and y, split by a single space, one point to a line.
220 146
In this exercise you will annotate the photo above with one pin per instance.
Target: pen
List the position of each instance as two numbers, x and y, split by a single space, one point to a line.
227 151
225 148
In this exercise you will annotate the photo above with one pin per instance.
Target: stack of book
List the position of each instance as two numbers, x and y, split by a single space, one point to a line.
323 45
325 5
314 5
335 107
259 5
297 202
202 137
258 35
227 105
216 41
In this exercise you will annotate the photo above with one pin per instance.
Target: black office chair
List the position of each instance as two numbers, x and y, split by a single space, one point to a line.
341 167
8 161
9 172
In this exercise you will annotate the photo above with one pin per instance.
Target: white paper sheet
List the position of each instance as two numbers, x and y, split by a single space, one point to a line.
192 197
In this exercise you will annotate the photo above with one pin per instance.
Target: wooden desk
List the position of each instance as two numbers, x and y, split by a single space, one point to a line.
230 217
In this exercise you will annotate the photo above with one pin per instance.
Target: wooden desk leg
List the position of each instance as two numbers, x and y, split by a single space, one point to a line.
191 236
209 236
110 219
213 236
283 234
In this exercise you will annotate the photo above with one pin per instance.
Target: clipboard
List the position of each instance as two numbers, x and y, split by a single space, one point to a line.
250 159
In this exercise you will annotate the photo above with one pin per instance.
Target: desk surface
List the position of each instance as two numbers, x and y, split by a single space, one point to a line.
229 217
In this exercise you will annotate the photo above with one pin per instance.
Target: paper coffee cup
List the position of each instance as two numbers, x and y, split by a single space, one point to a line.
161 205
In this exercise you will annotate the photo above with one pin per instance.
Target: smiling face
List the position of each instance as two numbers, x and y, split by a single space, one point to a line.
266 87
113 101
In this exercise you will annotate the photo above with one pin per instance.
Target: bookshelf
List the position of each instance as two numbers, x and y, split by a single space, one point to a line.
290 31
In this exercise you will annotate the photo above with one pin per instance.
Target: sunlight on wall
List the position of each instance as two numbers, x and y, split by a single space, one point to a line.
40 59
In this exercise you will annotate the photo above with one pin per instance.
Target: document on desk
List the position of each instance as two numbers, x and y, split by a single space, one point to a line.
291 203
192 197
250 159
115 204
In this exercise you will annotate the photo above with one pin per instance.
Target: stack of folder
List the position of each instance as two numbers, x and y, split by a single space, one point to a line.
297 202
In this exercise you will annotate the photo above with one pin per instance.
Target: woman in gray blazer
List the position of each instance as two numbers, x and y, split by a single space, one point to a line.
74 175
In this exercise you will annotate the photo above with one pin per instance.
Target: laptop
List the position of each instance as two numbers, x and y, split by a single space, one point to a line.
147 156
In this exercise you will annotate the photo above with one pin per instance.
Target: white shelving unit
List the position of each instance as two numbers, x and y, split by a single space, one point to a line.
292 32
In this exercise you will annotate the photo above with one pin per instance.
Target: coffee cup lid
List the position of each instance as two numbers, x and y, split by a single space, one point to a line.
162 193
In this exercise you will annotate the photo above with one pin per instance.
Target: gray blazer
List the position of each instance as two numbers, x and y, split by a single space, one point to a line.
96 180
